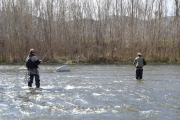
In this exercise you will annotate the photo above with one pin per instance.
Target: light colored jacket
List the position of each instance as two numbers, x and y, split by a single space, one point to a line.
139 62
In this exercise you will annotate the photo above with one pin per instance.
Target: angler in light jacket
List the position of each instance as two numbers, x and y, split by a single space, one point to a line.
33 69
139 62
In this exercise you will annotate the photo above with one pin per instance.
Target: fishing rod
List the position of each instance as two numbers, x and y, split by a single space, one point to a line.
47 53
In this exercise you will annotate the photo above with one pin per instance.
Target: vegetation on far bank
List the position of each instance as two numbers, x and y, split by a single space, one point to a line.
71 62
112 31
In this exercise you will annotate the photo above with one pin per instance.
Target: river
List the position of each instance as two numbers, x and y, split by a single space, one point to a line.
91 92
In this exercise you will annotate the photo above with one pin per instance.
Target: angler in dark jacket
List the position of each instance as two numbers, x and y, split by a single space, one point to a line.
139 62
33 69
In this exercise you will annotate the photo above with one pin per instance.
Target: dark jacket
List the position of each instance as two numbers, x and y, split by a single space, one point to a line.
35 61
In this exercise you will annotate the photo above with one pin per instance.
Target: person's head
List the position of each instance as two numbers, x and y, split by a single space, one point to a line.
139 54
32 51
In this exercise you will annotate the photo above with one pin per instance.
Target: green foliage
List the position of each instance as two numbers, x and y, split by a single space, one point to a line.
4 62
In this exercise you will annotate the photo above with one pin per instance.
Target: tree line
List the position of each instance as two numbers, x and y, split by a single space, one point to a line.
89 30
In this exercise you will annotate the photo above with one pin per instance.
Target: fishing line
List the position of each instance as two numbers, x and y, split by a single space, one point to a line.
26 77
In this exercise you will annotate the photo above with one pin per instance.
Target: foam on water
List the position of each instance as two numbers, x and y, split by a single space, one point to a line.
91 92
69 87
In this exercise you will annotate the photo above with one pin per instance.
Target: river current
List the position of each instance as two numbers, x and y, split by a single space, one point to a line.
98 92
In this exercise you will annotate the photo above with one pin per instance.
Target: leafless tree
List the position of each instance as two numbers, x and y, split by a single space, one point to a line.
95 31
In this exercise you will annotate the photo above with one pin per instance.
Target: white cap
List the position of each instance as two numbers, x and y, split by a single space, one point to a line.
139 53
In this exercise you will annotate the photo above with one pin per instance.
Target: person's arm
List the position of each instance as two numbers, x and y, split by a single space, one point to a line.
134 62
144 62
35 59
38 62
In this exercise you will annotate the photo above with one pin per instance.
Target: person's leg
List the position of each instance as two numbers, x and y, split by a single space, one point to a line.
137 73
141 73
30 80
37 81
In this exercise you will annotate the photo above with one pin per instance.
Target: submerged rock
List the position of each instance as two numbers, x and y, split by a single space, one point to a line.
63 68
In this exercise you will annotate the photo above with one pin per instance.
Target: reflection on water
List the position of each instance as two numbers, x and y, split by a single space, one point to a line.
92 92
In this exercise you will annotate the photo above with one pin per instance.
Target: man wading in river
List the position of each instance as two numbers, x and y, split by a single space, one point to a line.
139 62
32 63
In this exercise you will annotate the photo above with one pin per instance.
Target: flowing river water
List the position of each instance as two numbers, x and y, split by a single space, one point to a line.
91 92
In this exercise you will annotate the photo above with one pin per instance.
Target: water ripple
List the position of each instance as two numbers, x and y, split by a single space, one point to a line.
91 92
